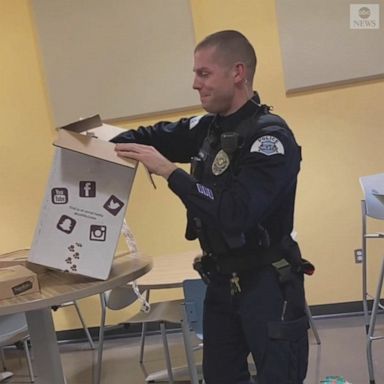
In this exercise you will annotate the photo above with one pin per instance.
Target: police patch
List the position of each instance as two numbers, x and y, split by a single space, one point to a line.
194 121
221 163
268 145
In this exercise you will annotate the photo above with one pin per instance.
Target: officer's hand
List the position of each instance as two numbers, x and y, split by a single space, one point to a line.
154 161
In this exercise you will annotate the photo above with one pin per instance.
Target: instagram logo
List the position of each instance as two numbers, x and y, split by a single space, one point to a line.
98 233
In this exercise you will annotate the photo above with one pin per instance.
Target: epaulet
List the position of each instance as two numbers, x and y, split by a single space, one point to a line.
265 118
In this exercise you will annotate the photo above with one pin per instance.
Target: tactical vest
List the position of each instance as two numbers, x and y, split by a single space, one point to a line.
216 162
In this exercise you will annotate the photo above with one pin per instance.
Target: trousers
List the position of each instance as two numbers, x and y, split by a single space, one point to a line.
265 319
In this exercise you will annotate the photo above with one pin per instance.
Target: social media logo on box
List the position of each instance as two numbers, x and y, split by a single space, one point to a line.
98 233
59 195
87 189
66 224
113 205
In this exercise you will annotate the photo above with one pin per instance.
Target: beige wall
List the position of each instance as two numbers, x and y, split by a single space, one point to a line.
340 130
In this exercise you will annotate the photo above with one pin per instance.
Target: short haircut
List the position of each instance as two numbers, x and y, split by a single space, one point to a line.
233 46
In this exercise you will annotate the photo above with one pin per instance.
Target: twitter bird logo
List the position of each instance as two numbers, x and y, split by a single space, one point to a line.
113 205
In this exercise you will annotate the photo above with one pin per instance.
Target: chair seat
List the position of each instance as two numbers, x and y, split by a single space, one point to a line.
5 375
166 311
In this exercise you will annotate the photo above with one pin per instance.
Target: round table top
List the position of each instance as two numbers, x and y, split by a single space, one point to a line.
169 271
59 287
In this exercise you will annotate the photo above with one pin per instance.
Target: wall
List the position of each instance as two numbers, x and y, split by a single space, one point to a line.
25 130
338 128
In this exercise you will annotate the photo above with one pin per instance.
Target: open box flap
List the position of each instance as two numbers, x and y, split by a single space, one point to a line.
94 144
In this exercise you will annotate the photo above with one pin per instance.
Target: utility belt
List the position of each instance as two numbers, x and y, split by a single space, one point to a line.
285 257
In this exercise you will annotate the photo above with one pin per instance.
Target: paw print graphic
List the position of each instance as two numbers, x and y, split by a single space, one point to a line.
76 255
74 267
68 260
71 248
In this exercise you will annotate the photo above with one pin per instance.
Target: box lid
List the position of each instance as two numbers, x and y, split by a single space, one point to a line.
15 271
73 137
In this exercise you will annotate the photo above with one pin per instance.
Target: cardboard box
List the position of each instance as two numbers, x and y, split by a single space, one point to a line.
20 257
85 201
17 280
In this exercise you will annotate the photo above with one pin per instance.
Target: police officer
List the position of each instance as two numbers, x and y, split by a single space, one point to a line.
240 205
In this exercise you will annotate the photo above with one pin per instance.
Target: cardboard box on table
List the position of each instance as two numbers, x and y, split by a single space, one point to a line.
17 280
85 201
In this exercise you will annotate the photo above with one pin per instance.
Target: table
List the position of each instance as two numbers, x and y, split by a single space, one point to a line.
57 288
169 271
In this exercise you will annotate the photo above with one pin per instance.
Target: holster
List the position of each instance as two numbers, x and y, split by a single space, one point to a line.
204 265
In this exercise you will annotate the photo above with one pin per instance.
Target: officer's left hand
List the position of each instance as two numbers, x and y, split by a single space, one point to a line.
153 160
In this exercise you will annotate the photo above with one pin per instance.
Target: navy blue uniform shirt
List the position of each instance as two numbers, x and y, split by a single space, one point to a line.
256 188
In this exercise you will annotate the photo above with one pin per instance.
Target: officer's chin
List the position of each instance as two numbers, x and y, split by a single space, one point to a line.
209 107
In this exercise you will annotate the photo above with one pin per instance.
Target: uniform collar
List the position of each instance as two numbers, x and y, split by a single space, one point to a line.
230 122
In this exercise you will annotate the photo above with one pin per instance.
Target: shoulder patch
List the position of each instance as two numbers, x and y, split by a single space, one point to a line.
268 145
194 121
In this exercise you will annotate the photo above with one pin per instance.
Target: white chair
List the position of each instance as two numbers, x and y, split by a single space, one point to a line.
13 329
86 330
371 207
161 312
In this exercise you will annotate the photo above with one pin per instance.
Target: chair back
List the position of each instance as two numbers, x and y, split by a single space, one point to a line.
120 297
13 328
373 188
194 294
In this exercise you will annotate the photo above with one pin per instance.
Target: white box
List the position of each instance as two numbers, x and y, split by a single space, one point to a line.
85 202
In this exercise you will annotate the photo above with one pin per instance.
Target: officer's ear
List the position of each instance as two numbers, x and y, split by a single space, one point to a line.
239 73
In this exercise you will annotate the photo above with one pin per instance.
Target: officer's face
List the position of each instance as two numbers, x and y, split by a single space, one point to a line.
214 80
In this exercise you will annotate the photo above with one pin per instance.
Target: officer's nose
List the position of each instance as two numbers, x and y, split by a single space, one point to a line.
196 83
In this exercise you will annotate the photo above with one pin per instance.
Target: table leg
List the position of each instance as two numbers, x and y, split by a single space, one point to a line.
45 349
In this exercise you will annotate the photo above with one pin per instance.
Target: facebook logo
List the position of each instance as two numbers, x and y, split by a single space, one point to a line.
87 189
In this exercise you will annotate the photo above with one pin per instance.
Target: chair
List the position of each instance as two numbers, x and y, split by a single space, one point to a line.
13 329
371 207
5 375
312 323
161 312
307 308
194 294
86 330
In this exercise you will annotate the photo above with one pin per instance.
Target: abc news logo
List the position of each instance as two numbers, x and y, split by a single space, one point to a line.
364 16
